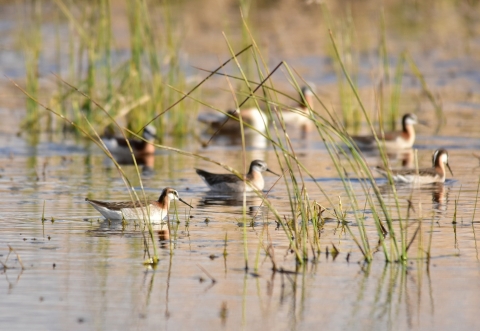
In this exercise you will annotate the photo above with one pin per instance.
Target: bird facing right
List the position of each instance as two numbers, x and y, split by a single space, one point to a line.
156 211
253 117
232 183
299 116
395 140
118 146
435 174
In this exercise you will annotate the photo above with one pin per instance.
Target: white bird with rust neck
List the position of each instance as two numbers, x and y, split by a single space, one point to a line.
435 174
395 140
156 211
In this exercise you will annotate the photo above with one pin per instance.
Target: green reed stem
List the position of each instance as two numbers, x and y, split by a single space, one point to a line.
242 134
436 105
43 212
396 92
98 142
375 187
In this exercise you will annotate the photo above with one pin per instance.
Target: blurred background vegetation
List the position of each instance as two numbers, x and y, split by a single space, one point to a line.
134 57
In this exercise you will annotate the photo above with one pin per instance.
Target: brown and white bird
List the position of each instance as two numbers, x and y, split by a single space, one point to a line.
435 174
118 145
156 211
391 140
298 116
252 117
232 183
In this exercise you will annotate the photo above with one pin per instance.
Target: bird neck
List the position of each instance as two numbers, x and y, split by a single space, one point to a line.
163 201
438 163
148 148
305 102
256 178
408 132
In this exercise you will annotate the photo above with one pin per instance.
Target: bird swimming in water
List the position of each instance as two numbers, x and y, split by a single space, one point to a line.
156 211
232 183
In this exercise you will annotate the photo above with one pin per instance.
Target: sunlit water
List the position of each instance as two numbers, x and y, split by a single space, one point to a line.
83 272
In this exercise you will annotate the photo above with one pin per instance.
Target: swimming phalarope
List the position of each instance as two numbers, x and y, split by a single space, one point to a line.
299 116
128 210
118 145
392 140
251 116
231 183
435 174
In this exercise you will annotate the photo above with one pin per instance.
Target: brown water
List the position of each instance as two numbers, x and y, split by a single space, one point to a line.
82 272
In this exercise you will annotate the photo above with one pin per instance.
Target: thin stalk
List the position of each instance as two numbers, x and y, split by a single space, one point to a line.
436 105
195 87
375 188
242 135
473 217
106 151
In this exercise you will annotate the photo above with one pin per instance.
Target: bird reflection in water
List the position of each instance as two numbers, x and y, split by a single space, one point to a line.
439 197
254 204
404 158
132 228
401 159
437 191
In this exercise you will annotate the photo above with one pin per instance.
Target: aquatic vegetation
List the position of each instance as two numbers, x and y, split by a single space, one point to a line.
302 238
326 233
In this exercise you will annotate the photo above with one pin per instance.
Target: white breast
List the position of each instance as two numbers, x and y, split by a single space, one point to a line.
156 214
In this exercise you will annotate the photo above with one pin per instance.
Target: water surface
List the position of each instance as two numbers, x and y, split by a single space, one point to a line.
83 272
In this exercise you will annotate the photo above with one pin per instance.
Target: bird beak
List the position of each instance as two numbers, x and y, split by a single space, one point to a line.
272 172
185 202
448 166
424 123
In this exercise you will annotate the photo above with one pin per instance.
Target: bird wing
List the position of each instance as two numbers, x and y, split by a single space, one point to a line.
213 179
115 205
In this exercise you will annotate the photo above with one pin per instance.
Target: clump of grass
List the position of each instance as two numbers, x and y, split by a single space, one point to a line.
142 90
153 258
330 132
140 83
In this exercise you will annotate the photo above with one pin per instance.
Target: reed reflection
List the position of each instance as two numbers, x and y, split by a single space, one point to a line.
393 289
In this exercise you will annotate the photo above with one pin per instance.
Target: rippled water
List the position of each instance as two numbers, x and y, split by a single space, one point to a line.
83 272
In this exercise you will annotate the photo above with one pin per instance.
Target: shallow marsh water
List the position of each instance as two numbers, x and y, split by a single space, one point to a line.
87 273
82 272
